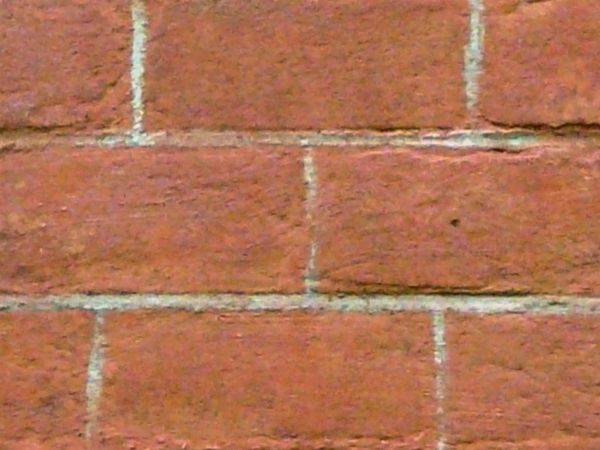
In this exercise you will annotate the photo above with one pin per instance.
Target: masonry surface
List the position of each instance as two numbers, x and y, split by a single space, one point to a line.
283 224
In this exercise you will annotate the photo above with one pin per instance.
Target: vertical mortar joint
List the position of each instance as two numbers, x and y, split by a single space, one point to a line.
310 181
440 358
93 390
474 55
139 21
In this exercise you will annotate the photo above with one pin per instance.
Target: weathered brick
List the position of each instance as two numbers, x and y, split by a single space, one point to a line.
475 221
284 381
42 380
159 220
539 66
292 64
65 64
522 382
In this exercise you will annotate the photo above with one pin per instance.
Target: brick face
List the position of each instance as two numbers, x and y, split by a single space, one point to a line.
152 221
65 64
308 380
272 159
523 382
42 381
538 64
435 221
292 64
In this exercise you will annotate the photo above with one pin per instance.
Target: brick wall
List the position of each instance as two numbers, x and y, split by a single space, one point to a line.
299 224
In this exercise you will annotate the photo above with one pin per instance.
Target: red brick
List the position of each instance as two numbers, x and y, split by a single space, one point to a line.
539 62
157 220
269 64
475 221
65 64
284 381
522 382
42 381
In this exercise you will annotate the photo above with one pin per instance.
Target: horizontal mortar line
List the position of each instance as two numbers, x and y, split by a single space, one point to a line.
346 138
553 305
455 139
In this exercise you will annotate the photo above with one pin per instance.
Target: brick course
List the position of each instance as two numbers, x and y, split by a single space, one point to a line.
299 224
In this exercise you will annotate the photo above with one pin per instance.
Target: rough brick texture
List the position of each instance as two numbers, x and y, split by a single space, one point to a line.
539 66
282 381
293 64
159 220
279 152
42 380
526 383
433 220
65 64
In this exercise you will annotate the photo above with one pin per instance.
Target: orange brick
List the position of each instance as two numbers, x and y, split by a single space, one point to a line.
241 381
156 220
522 382
42 380
474 221
292 64
65 64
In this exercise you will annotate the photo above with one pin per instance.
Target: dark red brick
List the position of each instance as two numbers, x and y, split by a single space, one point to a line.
474 221
42 380
522 382
283 381
290 64
539 64
65 64
156 220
